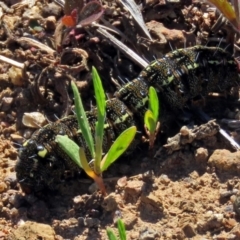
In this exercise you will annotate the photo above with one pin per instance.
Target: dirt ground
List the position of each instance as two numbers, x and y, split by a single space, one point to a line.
187 189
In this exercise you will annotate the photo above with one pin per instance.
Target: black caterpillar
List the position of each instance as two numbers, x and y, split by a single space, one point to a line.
179 77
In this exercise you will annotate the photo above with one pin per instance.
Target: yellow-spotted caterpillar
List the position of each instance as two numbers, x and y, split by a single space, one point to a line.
179 77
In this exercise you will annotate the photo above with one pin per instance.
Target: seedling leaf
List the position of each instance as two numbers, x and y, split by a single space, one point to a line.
70 148
149 121
101 111
154 103
111 235
99 92
119 147
121 229
82 119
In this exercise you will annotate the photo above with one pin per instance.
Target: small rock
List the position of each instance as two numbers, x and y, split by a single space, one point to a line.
134 189
12 179
33 230
213 220
189 230
3 187
51 23
229 223
16 76
6 213
225 160
51 9
6 103
109 203
28 133
16 138
174 36
91 222
14 213
164 179
229 193
201 155
122 182
78 201
34 120
33 13
148 234
149 176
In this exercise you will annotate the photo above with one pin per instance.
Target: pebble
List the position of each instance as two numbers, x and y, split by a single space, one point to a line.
6 103
91 222
229 193
225 160
122 182
109 203
33 230
134 187
15 75
201 155
51 9
3 187
149 176
189 230
148 234
51 23
164 179
12 179
34 120
16 138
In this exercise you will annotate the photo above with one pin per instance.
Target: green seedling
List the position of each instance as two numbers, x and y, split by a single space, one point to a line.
151 123
121 231
78 153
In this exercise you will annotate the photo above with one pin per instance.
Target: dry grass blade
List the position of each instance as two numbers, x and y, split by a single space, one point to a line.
12 62
136 14
60 2
33 43
123 48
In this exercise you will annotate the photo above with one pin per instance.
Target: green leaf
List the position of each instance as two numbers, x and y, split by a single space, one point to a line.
119 147
85 164
82 120
70 148
101 110
154 103
121 229
99 92
149 121
111 235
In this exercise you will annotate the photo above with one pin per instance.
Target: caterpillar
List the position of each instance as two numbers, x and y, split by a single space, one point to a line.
178 77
